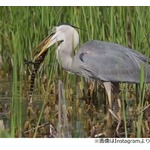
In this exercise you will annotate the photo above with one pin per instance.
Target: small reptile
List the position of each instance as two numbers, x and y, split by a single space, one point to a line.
36 65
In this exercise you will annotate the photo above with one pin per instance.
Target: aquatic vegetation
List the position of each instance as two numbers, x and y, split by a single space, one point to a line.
84 109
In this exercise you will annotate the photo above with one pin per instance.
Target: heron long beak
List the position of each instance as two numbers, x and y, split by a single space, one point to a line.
43 46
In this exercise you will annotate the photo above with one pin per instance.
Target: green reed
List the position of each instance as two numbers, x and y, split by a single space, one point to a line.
141 102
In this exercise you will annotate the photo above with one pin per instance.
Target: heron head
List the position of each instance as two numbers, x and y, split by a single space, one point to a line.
63 34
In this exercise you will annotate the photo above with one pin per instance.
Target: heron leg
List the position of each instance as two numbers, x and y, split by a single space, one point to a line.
118 107
112 90
108 87
119 115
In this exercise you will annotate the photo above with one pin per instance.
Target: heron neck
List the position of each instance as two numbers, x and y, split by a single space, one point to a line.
65 58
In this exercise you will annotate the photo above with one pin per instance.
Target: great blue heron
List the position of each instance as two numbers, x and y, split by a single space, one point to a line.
106 62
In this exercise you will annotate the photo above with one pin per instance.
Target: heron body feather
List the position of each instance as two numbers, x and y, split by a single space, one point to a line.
110 62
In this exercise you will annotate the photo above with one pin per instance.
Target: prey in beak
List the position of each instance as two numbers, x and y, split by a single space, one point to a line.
39 54
42 48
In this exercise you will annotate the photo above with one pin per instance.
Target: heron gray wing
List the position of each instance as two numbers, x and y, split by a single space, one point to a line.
109 62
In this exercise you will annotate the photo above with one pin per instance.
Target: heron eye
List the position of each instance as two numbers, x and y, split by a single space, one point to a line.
59 42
